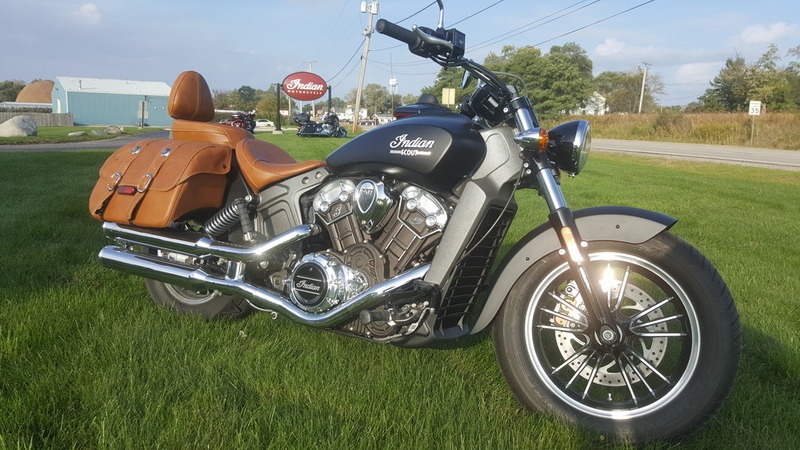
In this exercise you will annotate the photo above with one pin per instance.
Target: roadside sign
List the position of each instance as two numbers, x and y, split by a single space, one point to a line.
304 86
755 108
448 96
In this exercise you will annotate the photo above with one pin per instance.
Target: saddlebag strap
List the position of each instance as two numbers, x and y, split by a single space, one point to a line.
145 181
124 161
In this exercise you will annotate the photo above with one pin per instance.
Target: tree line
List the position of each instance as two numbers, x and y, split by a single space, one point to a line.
776 86
558 82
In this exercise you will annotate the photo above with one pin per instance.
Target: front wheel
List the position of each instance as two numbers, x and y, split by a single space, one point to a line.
673 366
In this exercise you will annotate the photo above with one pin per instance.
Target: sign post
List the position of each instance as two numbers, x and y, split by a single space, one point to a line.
755 110
278 129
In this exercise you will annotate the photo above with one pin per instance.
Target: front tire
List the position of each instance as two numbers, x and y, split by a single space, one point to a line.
674 366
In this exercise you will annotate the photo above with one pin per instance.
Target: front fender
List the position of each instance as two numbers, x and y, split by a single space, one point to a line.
603 223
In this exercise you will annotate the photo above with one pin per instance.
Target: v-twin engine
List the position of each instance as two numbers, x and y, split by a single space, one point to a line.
376 230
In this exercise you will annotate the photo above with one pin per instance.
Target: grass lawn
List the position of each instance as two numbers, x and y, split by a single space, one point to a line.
87 361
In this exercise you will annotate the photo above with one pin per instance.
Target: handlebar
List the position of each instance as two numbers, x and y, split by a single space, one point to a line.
397 32
496 102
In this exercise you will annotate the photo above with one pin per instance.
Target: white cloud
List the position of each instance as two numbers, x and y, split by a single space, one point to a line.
694 73
88 13
760 34
616 49
610 47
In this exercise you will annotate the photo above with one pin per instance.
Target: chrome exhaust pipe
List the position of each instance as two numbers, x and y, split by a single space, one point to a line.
151 266
204 246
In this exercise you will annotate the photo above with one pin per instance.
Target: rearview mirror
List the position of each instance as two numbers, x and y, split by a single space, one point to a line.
466 79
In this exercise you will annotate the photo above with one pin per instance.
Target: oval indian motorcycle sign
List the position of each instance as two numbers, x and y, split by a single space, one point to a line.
304 86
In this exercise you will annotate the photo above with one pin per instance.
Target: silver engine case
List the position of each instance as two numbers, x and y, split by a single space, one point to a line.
319 282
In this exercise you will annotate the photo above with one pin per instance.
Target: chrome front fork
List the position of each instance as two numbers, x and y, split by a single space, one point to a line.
534 142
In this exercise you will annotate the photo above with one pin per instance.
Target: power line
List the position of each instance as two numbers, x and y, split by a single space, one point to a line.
423 9
531 25
452 25
332 29
475 14
348 61
594 23
346 75
376 65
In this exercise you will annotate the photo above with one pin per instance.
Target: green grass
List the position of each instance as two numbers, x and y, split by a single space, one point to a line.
86 360
50 135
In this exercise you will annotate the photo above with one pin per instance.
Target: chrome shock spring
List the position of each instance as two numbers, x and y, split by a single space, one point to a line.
238 212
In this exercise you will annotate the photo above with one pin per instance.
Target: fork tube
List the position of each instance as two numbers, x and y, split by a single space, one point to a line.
561 218
549 185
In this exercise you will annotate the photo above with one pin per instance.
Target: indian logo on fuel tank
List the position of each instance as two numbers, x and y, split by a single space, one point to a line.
402 145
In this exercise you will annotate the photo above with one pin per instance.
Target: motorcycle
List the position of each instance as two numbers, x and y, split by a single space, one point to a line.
329 127
242 120
601 317
427 104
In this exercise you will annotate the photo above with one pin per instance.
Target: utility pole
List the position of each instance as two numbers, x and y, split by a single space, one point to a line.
372 9
278 129
313 108
644 80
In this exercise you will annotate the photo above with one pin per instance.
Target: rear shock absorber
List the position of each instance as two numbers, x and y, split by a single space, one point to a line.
238 212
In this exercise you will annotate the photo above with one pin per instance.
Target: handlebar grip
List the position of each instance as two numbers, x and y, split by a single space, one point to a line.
397 32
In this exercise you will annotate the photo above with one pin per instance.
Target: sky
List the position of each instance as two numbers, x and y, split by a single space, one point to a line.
257 43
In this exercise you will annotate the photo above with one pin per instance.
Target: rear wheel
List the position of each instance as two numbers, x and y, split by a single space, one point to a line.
205 303
673 366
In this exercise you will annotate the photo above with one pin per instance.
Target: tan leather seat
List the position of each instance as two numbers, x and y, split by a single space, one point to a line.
192 106
263 163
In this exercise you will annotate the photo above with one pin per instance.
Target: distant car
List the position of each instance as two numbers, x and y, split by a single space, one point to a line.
427 104
264 123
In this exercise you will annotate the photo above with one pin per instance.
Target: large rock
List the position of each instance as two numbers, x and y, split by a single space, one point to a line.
18 126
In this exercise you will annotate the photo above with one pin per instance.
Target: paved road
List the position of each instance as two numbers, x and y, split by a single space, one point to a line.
761 157
748 156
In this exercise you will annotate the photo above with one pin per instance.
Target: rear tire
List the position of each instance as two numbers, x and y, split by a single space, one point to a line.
208 304
670 373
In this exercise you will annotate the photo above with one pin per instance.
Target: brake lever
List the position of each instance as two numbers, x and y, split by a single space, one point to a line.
431 40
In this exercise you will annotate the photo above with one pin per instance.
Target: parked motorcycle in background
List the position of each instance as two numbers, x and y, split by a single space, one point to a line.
242 120
328 128
601 317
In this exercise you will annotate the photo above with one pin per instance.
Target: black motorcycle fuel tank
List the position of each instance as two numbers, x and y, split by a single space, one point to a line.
433 151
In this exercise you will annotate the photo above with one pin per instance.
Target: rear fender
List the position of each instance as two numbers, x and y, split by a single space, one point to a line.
604 223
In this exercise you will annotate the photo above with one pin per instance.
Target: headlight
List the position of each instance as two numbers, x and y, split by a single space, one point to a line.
570 144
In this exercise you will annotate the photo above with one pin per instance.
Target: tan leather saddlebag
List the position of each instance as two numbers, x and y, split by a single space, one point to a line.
152 183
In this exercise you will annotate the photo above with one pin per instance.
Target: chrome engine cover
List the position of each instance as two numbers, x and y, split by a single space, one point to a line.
372 205
319 281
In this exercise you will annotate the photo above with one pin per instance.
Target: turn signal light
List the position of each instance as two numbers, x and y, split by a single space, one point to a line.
544 139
